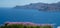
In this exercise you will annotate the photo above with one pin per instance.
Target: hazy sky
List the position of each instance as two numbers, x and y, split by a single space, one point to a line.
11 3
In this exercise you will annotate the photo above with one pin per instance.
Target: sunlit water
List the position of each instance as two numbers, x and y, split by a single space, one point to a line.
29 15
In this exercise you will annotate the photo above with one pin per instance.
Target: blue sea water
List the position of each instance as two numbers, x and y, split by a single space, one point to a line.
29 15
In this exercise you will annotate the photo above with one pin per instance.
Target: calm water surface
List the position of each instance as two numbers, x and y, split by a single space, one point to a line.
29 15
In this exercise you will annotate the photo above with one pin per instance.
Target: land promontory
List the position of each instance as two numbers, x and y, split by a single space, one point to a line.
41 6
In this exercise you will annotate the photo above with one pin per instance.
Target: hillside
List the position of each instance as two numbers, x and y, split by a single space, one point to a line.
41 6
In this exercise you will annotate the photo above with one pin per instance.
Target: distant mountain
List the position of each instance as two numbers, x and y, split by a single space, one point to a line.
41 6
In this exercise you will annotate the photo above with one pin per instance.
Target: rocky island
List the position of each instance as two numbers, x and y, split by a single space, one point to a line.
41 6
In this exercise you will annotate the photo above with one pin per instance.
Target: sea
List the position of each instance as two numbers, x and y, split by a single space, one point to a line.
29 15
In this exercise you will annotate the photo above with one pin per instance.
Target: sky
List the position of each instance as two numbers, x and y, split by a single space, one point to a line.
12 3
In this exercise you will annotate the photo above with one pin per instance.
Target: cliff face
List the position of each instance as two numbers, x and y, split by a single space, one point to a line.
41 6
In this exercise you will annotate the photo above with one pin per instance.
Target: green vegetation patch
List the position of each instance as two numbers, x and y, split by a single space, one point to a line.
24 26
